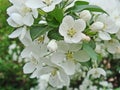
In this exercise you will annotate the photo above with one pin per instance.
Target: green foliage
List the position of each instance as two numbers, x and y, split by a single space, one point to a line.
82 5
37 31
11 75
90 51
54 35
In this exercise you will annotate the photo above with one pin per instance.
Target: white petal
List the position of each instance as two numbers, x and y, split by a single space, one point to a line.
104 36
77 37
11 10
74 47
35 13
69 67
55 81
80 25
27 39
45 70
26 52
81 56
17 18
91 71
112 29
65 78
29 67
22 35
63 29
28 20
68 39
101 71
16 33
12 23
69 21
35 4
48 8
57 57
56 1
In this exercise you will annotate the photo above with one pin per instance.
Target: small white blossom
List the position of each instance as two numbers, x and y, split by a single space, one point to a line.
85 15
96 26
106 27
72 29
96 72
45 5
52 46
113 46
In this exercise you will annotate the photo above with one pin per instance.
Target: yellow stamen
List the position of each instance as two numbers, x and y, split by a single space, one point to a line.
71 32
69 55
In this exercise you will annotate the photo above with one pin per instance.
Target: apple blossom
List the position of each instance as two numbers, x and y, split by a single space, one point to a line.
72 29
45 5
85 15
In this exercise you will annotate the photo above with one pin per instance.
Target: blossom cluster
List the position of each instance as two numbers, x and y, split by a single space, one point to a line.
63 37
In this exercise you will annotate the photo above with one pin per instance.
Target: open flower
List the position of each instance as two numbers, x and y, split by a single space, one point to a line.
72 29
105 26
45 5
96 72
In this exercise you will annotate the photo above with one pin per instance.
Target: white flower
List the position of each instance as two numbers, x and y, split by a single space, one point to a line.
20 32
20 14
57 77
104 83
45 5
96 26
38 47
96 72
101 49
106 27
67 55
85 15
113 46
52 46
72 29
32 64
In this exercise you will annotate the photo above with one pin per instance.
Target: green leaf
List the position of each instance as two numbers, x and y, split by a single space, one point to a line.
81 3
117 89
92 8
56 14
37 31
54 34
90 51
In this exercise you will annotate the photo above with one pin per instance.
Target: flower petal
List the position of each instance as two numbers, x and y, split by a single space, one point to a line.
29 67
80 25
28 20
104 35
81 56
17 18
57 57
69 67
35 4
16 33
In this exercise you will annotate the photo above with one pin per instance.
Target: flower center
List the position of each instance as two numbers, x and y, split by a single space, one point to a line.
26 10
41 39
47 2
71 32
54 72
69 55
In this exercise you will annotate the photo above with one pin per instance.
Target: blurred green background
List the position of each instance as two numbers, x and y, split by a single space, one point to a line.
11 73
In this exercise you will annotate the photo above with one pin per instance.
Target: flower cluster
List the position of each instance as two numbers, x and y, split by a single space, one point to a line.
63 37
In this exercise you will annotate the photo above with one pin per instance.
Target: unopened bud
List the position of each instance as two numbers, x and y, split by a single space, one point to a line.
52 46
85 15
97 26
86 38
